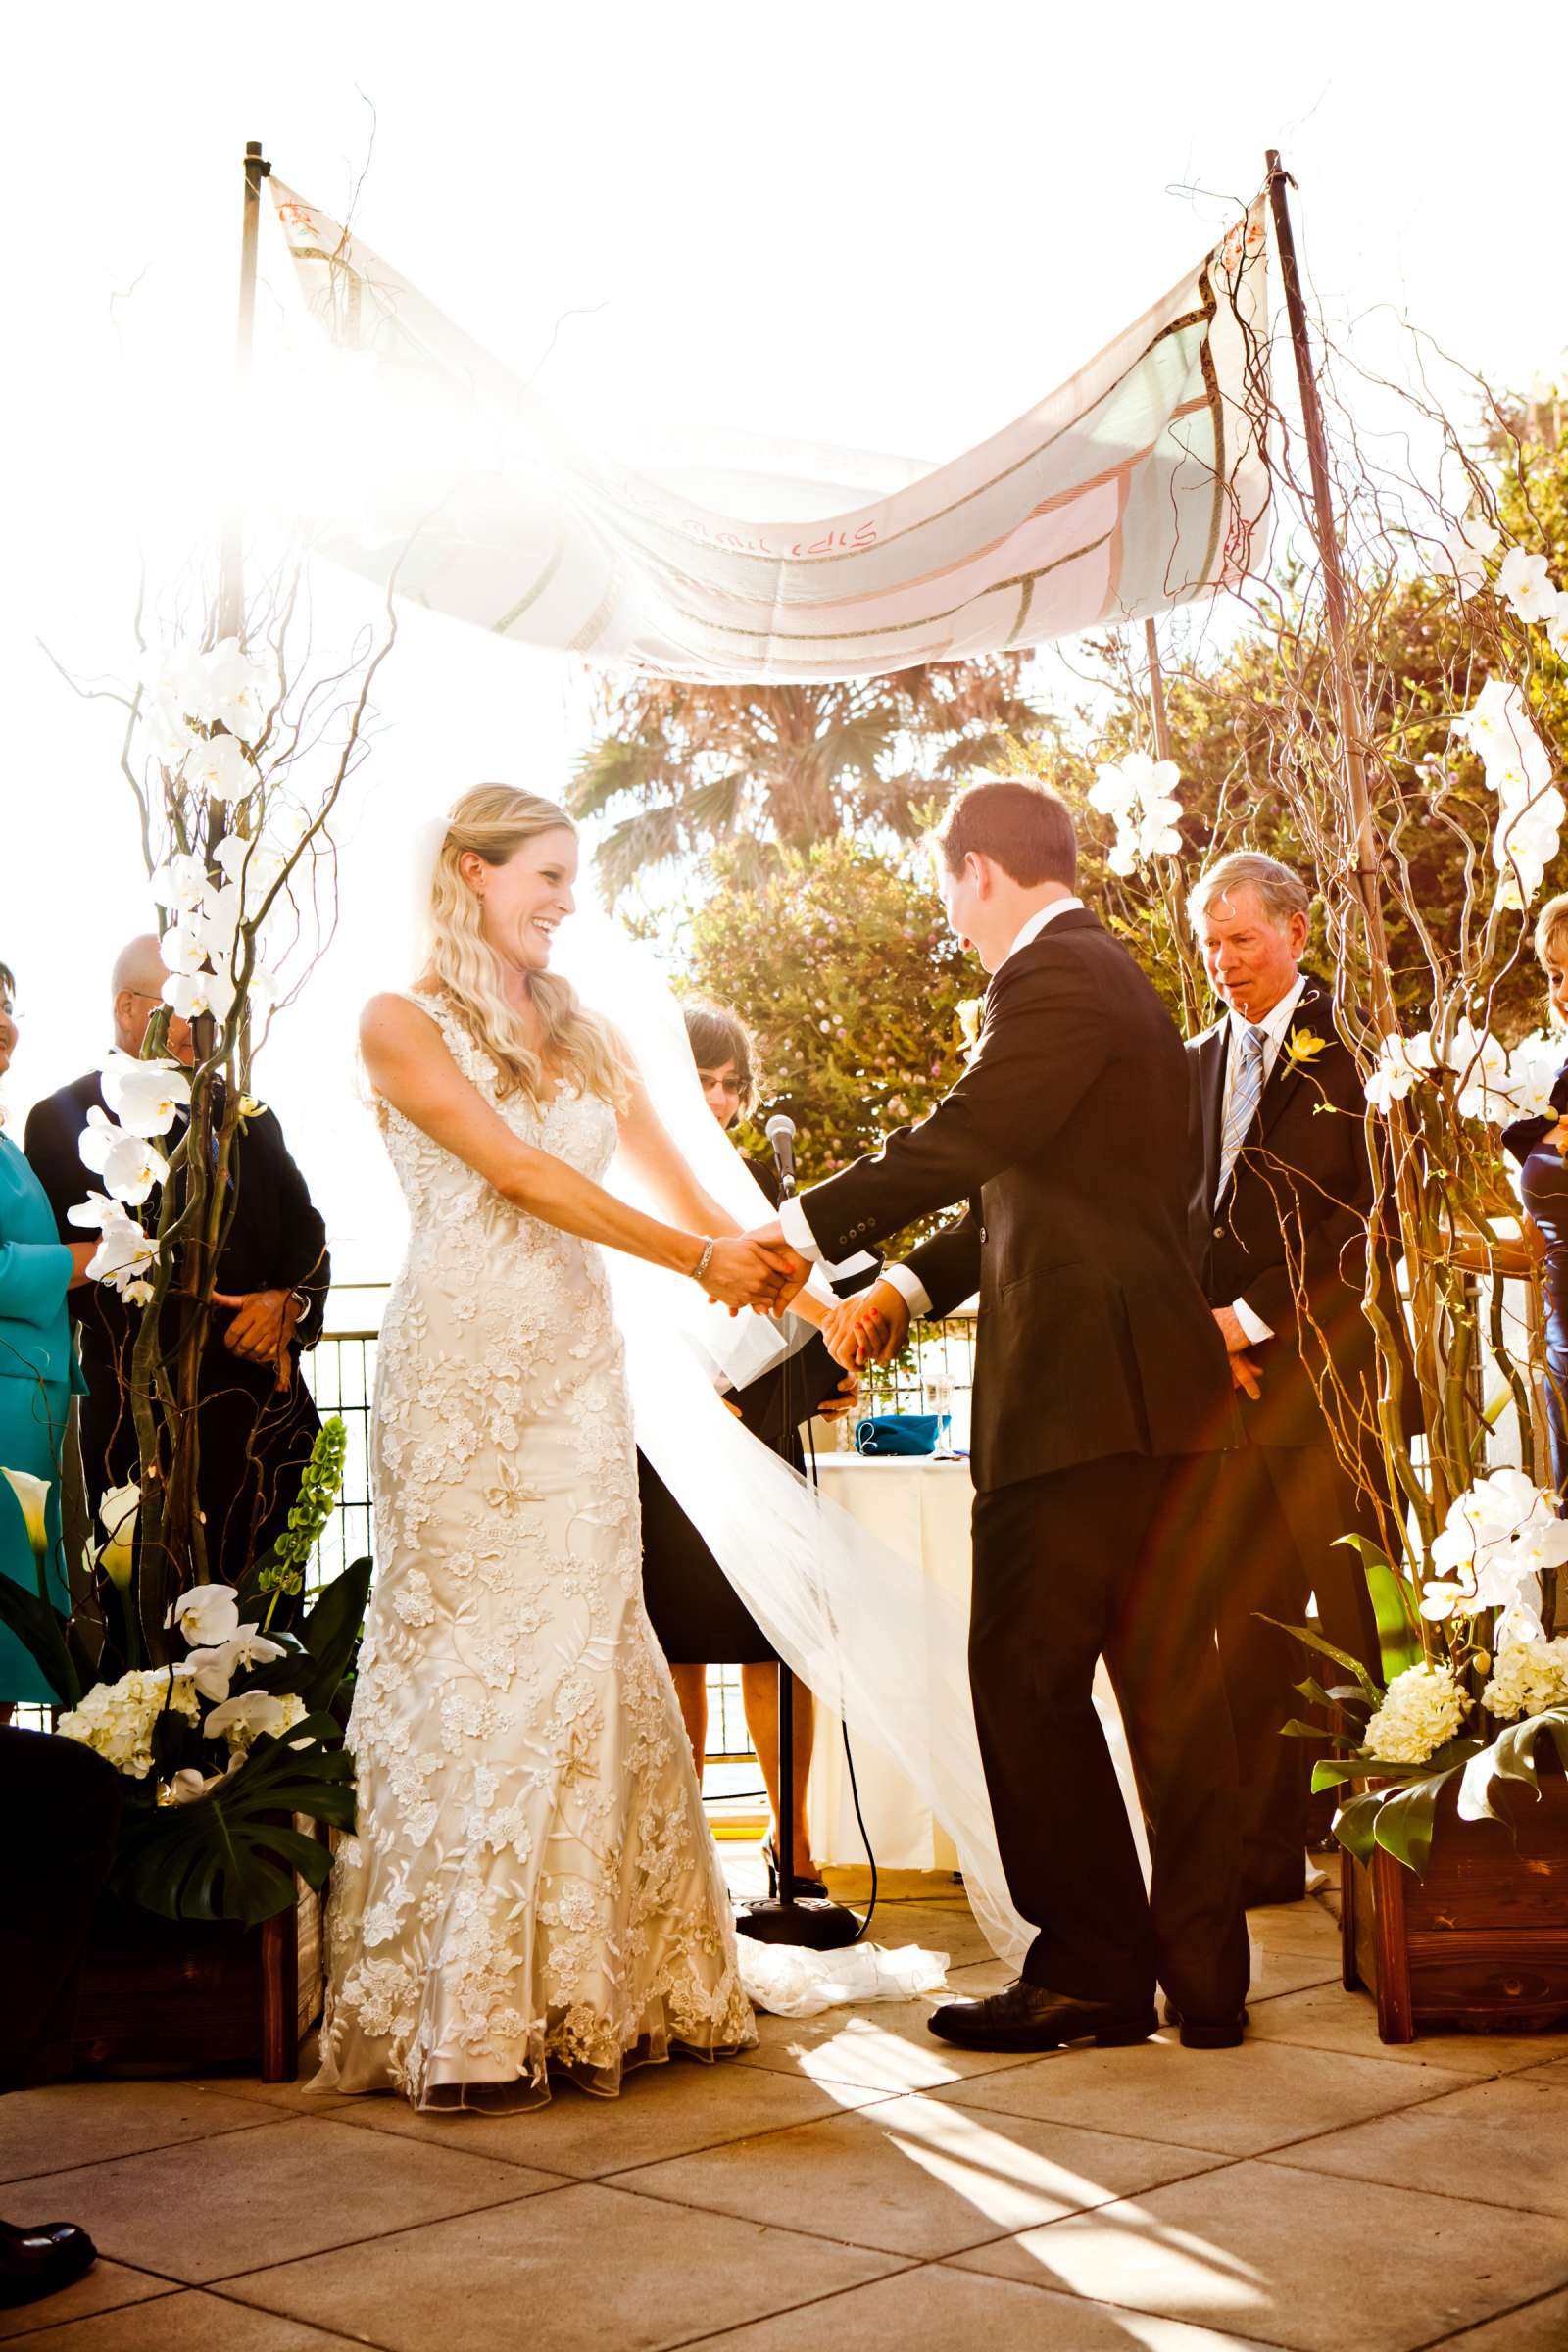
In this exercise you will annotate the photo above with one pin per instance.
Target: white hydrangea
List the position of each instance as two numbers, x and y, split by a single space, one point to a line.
117 1719
1421 1709
1527 1679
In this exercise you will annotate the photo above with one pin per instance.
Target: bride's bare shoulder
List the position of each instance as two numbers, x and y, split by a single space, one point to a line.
396 1020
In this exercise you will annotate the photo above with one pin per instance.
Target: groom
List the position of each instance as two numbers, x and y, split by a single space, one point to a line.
1100 1376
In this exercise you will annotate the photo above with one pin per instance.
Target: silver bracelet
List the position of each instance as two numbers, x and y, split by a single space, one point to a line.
704 1262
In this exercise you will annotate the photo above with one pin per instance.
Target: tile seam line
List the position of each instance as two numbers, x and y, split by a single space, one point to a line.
262 2269
162 2147
650 2196
1480 2205
1435 2344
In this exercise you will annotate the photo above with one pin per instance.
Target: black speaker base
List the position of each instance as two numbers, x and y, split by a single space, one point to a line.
816 1926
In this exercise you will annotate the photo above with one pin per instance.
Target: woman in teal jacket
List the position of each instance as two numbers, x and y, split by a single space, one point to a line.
38 1373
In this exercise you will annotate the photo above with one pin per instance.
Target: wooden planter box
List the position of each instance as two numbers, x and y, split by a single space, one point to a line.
1481 1942
170 1996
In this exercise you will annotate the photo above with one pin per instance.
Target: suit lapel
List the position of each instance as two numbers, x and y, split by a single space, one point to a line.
1287 1075
1212 1051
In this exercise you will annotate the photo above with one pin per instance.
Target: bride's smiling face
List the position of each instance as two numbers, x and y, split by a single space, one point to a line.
522 902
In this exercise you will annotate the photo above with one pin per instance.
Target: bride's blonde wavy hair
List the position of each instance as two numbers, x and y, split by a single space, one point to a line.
494 820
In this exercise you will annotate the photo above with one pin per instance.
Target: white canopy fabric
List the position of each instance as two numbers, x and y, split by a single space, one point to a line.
1138 485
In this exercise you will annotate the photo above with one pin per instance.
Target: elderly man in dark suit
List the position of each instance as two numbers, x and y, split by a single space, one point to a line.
1282 1187
258 1420
1098 1378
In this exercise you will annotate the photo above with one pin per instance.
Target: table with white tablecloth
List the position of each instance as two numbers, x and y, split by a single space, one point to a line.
920 1506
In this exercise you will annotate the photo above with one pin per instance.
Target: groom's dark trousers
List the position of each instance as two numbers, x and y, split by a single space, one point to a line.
1101 1383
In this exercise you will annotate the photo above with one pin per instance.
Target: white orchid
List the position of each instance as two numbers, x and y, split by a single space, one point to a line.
179 881
237 688
190 1783
219 767
190 994
1527 586
118 1513
206 1613
254 865
125 1251
1480 1062
1495 1541
145 1096
1465 549
1518 769
129 1165
32 1493
216 1667
1140 793
239 1720
1402 1061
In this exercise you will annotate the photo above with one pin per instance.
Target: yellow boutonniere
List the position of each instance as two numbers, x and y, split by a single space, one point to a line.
1302 1048
251 1107
969 1011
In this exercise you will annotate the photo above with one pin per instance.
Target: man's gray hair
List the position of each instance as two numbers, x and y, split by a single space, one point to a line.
1279 892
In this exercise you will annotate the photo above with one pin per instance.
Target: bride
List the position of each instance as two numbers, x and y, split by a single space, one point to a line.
531 1886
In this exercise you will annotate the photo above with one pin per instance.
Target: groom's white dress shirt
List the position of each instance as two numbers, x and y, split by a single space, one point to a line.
791 1216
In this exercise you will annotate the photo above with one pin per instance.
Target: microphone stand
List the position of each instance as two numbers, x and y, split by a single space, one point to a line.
815 1925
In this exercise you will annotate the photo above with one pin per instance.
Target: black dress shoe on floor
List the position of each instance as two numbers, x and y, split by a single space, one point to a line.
1208 2034
1030 2017
42 2260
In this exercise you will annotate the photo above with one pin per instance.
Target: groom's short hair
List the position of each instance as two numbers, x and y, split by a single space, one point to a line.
1024 828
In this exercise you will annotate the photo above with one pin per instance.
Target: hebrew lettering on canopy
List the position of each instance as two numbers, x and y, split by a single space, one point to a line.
1137 486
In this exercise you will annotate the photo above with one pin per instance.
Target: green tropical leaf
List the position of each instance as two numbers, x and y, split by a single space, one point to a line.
1340 1657
1356 1824
1404 1820
234 1854
1392 1605
44 1634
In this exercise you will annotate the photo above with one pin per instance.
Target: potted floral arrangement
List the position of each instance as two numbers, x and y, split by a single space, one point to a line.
225 1715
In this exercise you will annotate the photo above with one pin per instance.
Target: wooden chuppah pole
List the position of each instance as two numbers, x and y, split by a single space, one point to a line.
1346 694
185 1534
1156 692
232 562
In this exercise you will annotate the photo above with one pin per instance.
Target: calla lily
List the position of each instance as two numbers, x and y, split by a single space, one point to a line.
118 1513
129 1163
207 1613
33 1495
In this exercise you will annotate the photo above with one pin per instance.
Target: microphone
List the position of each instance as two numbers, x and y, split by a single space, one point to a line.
780 1133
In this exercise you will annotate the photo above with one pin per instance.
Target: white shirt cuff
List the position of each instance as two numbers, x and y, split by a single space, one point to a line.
1253 1325
797 1232
907 1283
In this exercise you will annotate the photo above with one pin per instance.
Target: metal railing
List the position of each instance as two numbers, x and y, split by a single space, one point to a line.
340 1372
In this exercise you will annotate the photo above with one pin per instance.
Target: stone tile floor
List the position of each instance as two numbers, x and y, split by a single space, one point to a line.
852 2183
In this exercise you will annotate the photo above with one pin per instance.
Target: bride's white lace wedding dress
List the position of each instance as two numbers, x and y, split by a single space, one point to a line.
531 1884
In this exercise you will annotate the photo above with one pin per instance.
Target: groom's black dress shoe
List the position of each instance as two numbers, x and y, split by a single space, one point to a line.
42 2260
1208 2034
1030 2017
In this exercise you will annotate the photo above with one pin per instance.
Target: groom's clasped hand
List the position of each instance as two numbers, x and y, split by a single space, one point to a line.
754 1270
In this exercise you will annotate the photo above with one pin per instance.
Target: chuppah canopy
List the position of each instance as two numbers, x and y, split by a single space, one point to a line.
1136 486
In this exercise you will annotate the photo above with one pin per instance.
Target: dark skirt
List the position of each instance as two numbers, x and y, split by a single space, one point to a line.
696 1613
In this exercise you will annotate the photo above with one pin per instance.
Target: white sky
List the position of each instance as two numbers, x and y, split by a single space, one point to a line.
891 225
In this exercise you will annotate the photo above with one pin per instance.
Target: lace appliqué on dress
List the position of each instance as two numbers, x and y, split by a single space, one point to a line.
531 1884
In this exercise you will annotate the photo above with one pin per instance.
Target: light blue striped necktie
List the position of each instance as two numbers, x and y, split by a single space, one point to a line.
1245 1095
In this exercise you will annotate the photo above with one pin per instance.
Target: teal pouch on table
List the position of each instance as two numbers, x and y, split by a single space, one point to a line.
896 1433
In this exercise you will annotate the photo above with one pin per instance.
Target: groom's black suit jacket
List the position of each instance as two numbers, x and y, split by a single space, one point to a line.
1068 1135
